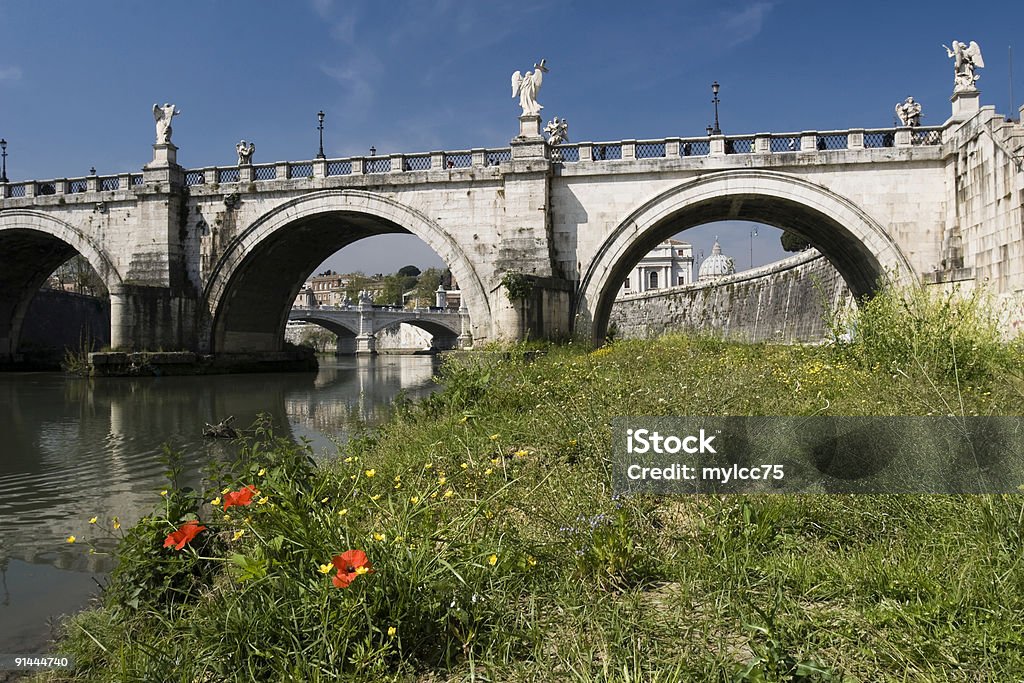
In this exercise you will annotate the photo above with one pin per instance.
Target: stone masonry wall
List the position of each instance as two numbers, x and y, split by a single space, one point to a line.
785 301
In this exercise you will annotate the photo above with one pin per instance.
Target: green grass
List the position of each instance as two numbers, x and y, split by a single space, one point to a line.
499 553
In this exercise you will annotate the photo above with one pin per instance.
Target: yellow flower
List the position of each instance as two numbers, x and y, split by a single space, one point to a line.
227 518
392 631
326 568
215 502
492 560
352 477
362 569
441 481
522 453
464 466
92 520
262 501
325 499
414 500
225 491
465 418
398 477
348 459
117 524
71 539
263 470
572 442
449 493
342 512
495 461
428 465
531 560
398 485
489 471
376 496
370 473
494 437
434 494
239 534
164 492
379 537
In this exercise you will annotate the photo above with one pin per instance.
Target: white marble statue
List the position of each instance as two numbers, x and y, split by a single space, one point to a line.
245 152
909 112
966 58
162 116
557 130
527 88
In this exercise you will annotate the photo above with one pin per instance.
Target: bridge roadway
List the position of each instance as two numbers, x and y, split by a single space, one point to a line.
357 325
211 259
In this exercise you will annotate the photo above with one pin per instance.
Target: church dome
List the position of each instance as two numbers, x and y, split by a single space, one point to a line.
716 265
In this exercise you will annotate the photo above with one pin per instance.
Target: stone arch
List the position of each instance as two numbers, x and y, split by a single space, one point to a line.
32 245
248 298
432 326
856 245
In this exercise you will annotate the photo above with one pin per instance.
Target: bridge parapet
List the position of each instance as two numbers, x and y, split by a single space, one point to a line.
360 324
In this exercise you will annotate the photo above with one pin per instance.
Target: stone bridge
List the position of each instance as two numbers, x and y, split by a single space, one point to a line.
211 259
357 325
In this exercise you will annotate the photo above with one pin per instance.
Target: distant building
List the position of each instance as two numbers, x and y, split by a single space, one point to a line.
716 265
329 287
669 264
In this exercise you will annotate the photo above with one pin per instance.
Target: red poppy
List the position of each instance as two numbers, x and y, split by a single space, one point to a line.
185 533
350 564
242 496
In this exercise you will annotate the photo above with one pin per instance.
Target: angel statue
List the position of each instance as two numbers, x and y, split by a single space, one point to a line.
527 88
245 152
557 130
909 112
966 58
162 116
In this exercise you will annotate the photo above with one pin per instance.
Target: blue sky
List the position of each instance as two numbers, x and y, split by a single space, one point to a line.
77 80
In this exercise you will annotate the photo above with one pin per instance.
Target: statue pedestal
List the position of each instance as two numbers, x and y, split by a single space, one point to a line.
529 144
164 154
529 126
965 104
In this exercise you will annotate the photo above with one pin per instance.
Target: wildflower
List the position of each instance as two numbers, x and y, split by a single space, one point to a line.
572 442
531 560
441 481
71 539
492 560
238 534
325 499
494 437
489 471
522 453
117 524
225 491
215 502
495 461
92 520
465 418
181 536
370 473
449 493
350 564
428 466
392 631
263 470
262 501
227 518
398 477
164 492
326 568
376 496
342 512
379 537
398 485
464 466
242 496
414 500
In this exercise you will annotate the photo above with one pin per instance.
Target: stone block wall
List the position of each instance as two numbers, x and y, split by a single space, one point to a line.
786 301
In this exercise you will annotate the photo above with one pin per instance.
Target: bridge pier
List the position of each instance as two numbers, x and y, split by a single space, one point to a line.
366 344
346 346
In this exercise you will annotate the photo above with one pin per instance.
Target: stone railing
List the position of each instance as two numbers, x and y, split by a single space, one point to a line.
620 150
62 186
760 143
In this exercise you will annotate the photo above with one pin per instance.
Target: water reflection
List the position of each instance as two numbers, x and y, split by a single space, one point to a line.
73 449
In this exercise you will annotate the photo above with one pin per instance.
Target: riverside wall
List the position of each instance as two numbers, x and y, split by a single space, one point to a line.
786 301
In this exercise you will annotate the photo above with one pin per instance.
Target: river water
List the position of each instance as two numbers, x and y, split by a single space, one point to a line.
71 449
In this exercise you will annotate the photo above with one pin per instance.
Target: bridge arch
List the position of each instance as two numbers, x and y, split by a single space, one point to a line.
856 245
33 244
434 327
251 289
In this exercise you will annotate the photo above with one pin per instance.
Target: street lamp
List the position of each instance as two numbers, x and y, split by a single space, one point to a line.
373 151
710 131
92 171
753 234
320 118
3 173
714 90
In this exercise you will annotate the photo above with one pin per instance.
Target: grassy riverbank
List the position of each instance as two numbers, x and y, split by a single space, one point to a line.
499 554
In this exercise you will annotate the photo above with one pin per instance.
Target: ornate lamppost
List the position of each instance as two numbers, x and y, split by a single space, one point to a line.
320 127
3 172
714 90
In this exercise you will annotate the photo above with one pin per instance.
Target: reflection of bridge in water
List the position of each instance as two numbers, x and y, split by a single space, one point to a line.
357 326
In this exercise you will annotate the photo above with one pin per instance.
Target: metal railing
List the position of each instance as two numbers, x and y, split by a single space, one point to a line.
570 153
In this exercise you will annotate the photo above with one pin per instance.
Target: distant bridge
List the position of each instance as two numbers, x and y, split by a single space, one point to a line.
357 325
211 259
